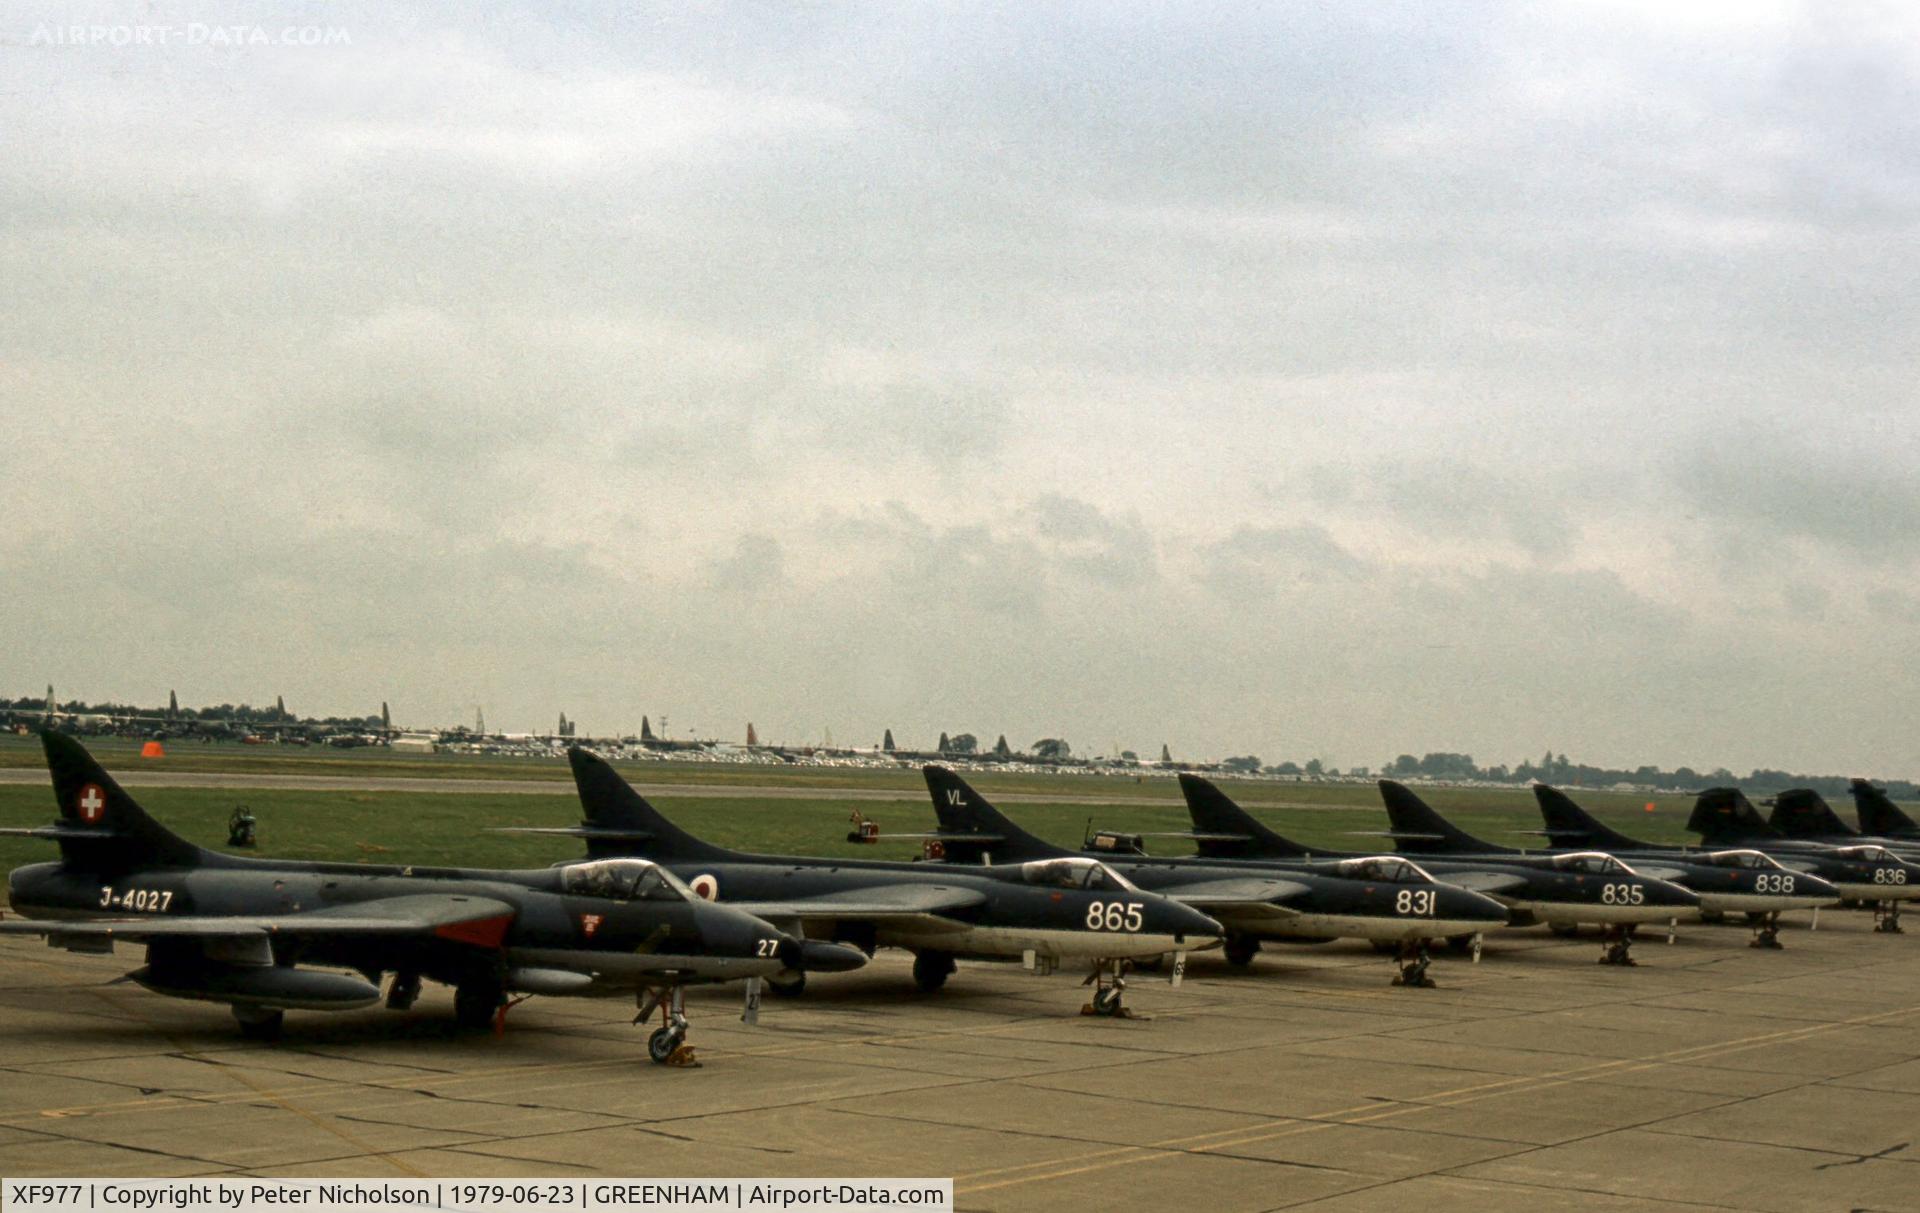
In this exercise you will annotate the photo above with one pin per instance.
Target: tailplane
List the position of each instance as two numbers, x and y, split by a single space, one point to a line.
973 831
1418 830
1724 816
101 827
1224 830
1879 816
1569 825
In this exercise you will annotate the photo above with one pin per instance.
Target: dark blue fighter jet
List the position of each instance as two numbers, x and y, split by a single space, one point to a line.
265 936
1385 898
1562 890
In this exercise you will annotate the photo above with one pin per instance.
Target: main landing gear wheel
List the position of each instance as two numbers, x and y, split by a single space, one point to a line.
1766 930
260 1023
667 1046
1886 918
1109 983
1240 950
931 970
476 1004
1617 947
792 987
1414 958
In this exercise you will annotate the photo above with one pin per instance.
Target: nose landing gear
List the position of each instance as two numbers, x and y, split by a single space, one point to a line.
1766 930
1413 959
1617 945
1886 918
1109 982
667 1046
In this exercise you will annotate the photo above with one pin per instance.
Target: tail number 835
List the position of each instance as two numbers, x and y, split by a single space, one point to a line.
1113 916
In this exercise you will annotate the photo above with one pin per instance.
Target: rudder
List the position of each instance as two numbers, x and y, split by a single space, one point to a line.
102 828
1227 831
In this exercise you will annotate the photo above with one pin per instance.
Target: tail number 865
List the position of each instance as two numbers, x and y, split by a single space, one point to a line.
1113 916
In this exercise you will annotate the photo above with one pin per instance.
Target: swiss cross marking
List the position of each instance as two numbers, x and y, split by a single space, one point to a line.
93 803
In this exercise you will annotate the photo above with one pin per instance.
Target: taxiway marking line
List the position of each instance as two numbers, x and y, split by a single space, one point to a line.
1367 1113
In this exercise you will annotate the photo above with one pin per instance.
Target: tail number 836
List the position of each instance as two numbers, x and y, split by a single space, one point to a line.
1113 916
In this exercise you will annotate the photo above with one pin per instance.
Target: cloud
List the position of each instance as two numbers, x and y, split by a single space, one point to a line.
1335 379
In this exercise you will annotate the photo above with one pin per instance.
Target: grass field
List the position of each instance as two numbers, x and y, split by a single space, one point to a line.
451 827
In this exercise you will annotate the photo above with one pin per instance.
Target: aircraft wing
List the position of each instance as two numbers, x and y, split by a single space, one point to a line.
479 920
1659 871
1491 883
927 906
1244 896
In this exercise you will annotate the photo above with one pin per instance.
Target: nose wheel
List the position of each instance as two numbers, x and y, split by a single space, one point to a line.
1766 930
1886 918
1617 947
1413 959
1109 983
667 1046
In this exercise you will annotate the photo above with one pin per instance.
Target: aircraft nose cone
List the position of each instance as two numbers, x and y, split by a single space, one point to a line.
731 933
1471 906
1191 926
819 956
1667 893
1809 885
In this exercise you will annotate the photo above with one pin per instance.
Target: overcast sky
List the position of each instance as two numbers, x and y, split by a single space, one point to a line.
1303 380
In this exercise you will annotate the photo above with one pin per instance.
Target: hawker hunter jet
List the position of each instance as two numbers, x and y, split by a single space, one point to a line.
1041 913
1862 871
1731 881
1378 897
1562 891
266 936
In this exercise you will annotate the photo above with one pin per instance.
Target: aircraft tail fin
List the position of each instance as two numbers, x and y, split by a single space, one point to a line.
1569 825
620 821
1724 816
1804 813
1418 829
973 831
1224 830
102 828
1879 816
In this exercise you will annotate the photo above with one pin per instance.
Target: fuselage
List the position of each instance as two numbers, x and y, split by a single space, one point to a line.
1340 907
620 943
1602 890
1014 917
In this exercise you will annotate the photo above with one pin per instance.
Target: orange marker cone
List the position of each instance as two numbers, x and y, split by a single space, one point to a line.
152 750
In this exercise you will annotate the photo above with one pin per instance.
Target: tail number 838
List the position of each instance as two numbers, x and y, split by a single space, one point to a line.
1113 916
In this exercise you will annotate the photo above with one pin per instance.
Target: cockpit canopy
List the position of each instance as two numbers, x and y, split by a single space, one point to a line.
1753 860
1073 872
623 880
1596 863
1386 869
1868 852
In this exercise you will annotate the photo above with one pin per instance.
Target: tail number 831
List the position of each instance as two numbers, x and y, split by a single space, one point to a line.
1114 916
1413 901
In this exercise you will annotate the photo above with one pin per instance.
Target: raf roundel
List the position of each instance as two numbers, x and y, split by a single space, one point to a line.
92 803
706 886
